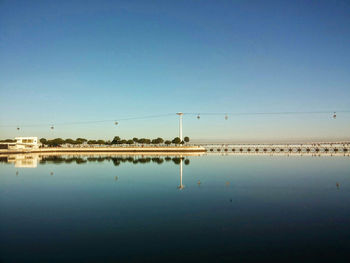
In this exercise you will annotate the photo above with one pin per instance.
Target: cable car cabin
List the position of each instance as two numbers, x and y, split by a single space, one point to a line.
27 143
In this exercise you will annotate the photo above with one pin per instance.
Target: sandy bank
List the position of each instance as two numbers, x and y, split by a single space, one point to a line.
178 149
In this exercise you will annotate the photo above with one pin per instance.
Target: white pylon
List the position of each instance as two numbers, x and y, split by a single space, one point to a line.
180 125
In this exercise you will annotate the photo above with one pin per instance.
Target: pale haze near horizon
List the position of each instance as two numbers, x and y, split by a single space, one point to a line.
108 60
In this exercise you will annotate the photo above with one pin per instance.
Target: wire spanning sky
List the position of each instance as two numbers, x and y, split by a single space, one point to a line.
79 61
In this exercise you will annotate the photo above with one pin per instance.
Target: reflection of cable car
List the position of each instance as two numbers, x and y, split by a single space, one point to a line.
226 117
116 123
198 117
334 115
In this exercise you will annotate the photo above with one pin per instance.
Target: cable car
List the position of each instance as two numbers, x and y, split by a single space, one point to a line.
198 117
226 117
334 115
17 128
116 123
52 127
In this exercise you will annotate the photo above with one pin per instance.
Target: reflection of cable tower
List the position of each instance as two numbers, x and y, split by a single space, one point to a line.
180 124
181 186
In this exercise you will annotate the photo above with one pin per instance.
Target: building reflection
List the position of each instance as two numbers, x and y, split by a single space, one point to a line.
23 160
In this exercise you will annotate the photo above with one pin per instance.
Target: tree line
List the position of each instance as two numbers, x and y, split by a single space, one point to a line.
116 140
7 140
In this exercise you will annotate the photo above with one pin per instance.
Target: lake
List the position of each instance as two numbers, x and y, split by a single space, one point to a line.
219 208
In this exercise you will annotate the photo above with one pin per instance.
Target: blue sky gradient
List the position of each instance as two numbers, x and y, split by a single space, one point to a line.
63 61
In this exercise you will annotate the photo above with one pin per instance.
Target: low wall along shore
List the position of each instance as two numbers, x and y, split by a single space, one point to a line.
160 149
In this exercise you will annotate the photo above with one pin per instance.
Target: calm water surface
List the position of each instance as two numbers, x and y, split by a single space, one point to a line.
133 209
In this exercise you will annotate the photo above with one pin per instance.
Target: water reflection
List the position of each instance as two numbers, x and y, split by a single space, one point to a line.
223 205
118 160
181 186
31 161
21 160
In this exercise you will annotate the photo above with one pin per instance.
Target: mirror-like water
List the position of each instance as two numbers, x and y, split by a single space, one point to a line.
169 209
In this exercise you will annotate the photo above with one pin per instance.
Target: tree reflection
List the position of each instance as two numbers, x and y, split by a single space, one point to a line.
3 159
118 160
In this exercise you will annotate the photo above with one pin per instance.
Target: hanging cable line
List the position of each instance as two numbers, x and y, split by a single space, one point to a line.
115 121
226 115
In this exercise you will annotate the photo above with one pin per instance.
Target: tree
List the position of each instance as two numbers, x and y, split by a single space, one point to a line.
186 139
8 140
159 140
130 142
80 140
176 140
70 141
167 142
116 140
123 142
136 140
101 142
43 141
56 142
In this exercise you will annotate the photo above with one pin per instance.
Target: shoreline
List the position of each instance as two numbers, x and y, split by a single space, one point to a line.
178 149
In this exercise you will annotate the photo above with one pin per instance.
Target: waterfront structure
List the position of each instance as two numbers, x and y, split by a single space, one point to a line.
26 143
21 143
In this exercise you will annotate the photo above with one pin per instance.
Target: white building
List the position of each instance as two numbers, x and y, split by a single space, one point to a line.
27 143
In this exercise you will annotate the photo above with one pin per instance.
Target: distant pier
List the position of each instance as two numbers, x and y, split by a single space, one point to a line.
304 148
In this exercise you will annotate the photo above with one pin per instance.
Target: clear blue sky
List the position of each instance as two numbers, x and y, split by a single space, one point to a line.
64 61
